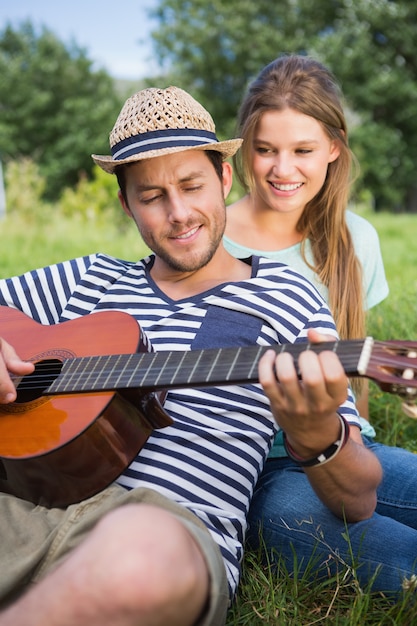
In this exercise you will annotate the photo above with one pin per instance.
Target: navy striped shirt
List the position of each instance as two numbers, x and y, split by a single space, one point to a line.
210 458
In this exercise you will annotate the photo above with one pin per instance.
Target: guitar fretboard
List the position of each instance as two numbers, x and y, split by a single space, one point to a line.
194 368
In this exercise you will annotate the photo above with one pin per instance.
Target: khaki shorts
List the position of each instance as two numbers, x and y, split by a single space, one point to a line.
34 539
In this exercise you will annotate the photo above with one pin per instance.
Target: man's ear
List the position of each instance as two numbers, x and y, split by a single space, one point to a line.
123 203
227 178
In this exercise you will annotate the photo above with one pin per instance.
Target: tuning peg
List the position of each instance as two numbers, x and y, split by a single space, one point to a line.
410 410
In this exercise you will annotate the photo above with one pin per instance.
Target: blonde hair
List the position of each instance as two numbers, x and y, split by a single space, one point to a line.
305 85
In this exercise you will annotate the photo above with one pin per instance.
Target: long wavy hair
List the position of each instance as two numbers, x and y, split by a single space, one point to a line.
305 85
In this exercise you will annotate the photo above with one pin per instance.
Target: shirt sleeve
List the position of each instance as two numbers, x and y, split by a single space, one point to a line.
368 250
43 293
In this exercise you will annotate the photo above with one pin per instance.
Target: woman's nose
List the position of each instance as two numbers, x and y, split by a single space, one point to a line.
282 166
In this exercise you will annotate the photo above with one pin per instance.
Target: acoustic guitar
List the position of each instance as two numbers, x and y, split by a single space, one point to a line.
97 392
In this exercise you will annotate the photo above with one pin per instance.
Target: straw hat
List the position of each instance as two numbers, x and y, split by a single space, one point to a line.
154 122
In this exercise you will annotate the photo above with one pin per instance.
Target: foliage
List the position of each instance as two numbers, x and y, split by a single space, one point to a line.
95 197
214 49
25 187
371 47
84 220
55 108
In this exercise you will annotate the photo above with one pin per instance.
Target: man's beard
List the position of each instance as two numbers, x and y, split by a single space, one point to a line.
193 261
190 263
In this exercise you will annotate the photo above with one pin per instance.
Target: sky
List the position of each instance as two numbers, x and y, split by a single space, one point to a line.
115 34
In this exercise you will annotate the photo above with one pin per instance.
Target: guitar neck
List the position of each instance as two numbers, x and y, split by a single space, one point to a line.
193 368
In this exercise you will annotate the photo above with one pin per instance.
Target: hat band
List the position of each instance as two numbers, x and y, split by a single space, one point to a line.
160 139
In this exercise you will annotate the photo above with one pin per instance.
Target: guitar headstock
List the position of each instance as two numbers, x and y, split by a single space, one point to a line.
393 366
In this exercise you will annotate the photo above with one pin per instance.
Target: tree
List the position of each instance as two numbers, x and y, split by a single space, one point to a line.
213 50
372 51
53 107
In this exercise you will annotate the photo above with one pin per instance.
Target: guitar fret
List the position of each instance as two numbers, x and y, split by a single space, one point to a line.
90 379
193 371
93 379
162 376
132 370
213 364
194 367
148 376
259 353
227 377
180 357
74 370
115 377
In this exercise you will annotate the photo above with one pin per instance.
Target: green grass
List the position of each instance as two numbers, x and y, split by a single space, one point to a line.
274 598
28 244
266 597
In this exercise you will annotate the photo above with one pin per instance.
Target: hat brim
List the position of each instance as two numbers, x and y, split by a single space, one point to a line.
108 164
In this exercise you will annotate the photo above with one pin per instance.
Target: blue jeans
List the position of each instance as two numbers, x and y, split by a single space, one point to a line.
381 551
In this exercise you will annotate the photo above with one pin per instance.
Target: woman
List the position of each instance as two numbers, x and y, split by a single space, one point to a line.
295 165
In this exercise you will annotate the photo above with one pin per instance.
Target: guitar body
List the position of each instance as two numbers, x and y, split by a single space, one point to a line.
56 450
88 408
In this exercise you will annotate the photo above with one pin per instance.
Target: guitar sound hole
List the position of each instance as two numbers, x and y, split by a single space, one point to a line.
32 386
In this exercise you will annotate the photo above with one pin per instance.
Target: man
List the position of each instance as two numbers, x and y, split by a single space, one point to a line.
163 544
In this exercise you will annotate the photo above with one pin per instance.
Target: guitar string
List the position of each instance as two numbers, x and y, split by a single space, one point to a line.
241 365
222 371
37 379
